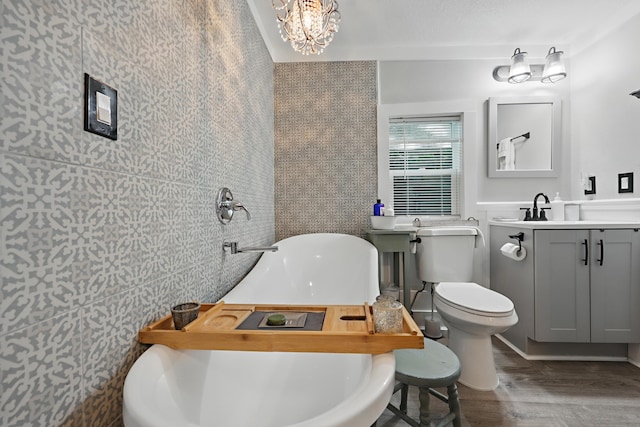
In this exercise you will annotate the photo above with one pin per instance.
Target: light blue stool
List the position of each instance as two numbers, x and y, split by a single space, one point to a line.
428 368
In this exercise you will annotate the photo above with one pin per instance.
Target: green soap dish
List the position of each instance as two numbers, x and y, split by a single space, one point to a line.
285 319
276 320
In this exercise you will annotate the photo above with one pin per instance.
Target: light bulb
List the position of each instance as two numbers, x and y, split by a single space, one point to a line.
554 67
519 71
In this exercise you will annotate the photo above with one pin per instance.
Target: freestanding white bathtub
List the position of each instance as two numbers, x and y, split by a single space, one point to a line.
187 388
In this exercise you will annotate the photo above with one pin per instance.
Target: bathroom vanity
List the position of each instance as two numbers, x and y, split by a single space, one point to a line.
577 290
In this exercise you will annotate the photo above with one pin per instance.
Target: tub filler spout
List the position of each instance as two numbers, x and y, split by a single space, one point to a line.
236 250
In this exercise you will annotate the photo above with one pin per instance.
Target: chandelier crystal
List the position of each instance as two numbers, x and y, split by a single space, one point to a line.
309 25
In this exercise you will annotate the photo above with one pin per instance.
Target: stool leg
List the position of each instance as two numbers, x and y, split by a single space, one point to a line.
454 404
424 407
404 392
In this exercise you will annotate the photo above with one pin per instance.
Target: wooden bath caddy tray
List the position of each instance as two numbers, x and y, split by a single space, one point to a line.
346 329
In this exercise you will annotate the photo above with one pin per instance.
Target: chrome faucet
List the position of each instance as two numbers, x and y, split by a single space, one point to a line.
236 250
541 216
236 206
226 206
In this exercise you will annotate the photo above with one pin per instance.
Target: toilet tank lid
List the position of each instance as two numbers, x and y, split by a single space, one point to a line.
447 231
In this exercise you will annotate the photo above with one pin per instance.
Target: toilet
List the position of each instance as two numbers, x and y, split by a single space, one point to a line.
471 312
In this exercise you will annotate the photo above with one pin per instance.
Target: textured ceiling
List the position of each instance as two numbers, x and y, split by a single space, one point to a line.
454 29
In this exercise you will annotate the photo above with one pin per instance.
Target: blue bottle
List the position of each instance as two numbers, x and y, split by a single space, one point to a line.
377 208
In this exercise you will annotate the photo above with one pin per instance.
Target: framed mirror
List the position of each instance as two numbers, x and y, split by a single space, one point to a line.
525 134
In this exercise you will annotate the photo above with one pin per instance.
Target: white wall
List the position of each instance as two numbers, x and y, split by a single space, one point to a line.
433 81
606 120
601 126
471 81
606 123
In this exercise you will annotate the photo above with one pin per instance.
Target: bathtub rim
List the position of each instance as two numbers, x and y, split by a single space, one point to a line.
353 411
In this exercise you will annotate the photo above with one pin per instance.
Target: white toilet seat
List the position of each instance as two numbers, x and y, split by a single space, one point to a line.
474 299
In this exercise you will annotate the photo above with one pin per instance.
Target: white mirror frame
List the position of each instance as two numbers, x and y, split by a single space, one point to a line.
556 138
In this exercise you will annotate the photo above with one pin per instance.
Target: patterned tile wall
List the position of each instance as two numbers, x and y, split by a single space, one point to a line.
325 147
100 237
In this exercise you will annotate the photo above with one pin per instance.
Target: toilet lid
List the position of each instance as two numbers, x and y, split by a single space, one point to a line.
473 298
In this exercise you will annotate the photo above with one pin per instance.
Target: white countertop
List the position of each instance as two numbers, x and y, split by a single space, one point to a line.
558 225
409 228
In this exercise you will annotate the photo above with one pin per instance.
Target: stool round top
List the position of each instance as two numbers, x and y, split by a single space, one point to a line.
433 366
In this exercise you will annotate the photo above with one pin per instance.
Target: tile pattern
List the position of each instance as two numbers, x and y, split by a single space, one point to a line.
100 237
325 147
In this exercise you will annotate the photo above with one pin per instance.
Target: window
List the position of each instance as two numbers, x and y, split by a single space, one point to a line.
425 158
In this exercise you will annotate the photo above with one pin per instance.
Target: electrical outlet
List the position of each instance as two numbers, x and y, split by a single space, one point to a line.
625 182
591 185
100 108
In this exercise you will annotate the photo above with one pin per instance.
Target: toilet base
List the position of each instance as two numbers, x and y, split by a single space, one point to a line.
476 359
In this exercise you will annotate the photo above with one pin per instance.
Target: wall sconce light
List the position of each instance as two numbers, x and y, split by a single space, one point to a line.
553 67
519 71
636 94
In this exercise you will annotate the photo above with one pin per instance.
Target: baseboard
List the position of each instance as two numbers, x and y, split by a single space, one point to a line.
512 347
634 354
563 357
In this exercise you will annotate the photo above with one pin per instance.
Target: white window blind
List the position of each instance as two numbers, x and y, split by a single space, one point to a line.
425 157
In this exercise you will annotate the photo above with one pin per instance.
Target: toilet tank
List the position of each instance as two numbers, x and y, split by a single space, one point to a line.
445 254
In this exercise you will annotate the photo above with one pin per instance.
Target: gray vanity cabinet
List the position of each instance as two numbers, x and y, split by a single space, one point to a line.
561 291
615 286
587 285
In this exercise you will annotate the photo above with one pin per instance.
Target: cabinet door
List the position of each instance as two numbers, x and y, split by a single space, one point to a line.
561 286
615 286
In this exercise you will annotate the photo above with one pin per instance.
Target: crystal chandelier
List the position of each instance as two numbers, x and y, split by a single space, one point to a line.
308 24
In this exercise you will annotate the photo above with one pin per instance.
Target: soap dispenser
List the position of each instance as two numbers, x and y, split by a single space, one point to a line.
557 208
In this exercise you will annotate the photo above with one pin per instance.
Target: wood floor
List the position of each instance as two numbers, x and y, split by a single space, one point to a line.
544 393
